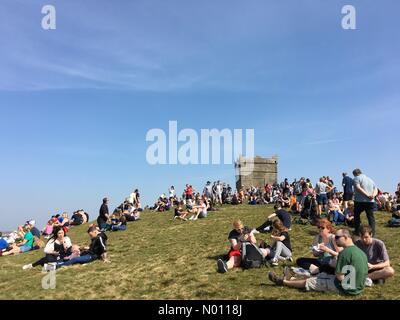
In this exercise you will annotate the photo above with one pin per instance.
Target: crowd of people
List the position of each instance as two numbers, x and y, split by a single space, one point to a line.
338 263
323 205
59 251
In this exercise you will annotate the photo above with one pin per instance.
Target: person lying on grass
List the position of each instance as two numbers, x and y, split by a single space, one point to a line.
378 258
96 251
180 213
325 251
57 248
24 246
282 215
236 237
351 271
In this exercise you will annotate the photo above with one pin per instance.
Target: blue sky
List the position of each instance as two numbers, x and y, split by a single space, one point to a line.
76 103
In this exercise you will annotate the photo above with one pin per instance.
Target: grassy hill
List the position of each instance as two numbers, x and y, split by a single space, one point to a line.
157 258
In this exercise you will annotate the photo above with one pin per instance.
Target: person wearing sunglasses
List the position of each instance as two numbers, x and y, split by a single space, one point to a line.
324 250
351 271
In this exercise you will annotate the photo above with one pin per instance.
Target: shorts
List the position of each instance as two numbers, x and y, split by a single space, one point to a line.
300 199
348 196
25 248
322 199
234 253
322 283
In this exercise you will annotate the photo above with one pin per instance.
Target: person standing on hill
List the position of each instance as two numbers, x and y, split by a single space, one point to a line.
103 214
322 190
348 189
364 199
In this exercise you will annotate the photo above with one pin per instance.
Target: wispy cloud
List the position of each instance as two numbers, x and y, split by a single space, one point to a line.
322 142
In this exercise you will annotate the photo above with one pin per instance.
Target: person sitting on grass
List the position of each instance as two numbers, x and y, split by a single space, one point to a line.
282 215
117 222
349 214
200 211
236 237
58 247
281 248
47 232
24 246
335 214
131 213
351 271
96 251
180 213
63 222
325 251
78 218
378 257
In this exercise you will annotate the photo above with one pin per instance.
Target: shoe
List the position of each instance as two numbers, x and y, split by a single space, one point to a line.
301 272
272 276
369 282
191 218
222 266
195 219
27 267
254 231
275 262
290 259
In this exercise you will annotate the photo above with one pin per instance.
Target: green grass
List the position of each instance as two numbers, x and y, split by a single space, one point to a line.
157 258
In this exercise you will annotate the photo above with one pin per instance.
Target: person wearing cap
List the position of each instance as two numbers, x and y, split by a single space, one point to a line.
35 231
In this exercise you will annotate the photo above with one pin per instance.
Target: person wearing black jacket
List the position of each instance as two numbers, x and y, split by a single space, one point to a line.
103 215
96 251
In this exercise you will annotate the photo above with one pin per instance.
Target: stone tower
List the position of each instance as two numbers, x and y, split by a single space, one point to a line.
258 174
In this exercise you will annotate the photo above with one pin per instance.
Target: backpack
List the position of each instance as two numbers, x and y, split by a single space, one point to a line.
298 189
251 256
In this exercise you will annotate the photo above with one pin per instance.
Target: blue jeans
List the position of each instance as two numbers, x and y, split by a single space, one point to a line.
118 228
25 248
338 218
81 260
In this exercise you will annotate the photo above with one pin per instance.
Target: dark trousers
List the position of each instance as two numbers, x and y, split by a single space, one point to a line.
360 207
262 228
47 259
305 263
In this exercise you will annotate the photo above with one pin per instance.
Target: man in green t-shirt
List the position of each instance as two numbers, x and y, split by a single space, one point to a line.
351 271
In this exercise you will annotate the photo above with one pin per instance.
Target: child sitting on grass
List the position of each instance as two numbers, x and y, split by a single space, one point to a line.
180 213
48 230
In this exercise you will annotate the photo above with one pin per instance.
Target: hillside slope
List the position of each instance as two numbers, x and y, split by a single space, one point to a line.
157 258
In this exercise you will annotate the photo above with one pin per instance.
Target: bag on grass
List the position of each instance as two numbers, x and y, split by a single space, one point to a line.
251 256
